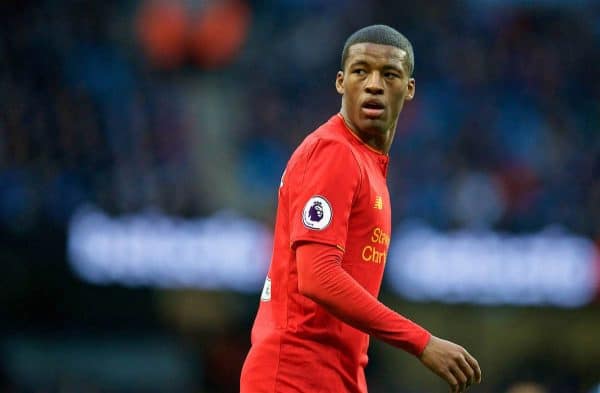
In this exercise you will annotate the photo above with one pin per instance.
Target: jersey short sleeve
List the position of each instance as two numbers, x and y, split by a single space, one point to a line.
326 182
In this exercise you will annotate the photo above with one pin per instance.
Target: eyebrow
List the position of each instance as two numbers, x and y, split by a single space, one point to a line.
393 67
387 66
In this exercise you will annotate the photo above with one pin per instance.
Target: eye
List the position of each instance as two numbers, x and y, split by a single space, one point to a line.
391 75
359 71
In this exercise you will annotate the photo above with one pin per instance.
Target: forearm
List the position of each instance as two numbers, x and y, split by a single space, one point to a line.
322 279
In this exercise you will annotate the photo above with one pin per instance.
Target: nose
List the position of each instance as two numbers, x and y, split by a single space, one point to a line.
374 83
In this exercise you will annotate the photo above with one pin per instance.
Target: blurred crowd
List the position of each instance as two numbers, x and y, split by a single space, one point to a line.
190 106
503 133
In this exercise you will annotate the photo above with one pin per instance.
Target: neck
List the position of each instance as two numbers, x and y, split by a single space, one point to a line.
381 142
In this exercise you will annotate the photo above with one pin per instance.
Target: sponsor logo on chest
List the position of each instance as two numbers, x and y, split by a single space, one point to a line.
376 250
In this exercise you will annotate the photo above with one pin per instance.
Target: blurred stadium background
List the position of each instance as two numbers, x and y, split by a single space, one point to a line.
141 146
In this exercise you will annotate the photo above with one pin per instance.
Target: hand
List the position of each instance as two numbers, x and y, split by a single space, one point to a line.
451 362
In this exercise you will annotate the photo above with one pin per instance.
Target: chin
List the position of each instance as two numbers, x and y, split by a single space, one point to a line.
374 126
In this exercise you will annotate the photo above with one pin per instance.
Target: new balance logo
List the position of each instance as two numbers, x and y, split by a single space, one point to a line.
378 203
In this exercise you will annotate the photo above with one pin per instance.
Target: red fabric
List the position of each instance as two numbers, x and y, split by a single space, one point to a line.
328 171
322 278
333 192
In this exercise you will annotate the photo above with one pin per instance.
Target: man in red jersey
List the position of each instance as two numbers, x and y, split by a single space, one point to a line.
332 232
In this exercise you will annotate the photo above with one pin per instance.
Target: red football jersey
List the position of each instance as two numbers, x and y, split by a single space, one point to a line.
333 191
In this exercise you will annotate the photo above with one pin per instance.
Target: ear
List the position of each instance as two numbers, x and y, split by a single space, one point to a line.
410 89
339 82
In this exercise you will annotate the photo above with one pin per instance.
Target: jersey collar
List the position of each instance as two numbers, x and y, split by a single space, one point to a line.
381 158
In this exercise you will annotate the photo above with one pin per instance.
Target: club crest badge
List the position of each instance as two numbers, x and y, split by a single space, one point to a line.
317 213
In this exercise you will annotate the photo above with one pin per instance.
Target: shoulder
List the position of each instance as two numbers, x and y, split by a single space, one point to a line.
326 144
326 153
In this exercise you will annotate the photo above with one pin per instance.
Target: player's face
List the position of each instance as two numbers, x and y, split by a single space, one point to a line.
374 84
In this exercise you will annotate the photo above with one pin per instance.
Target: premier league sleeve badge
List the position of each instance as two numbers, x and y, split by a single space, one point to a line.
317 213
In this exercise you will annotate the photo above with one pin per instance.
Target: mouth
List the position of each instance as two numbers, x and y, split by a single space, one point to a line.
373 109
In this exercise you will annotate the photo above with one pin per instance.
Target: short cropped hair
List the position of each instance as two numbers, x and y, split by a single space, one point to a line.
382 35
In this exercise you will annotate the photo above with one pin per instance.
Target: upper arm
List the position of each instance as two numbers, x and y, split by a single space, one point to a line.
322 196
316 264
